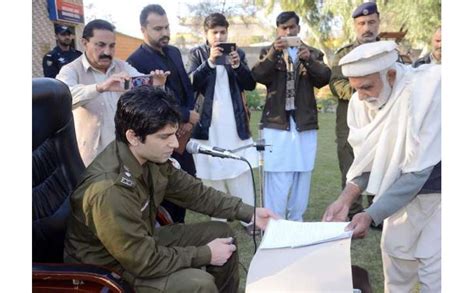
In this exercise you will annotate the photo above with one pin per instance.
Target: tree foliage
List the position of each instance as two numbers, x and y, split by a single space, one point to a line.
419 17
198 12
94 13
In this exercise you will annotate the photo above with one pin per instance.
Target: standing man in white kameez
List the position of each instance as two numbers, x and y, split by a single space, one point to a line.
224 120
289 117
394 119
96 81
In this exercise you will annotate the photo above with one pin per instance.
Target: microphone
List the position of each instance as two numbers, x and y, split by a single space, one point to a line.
196 148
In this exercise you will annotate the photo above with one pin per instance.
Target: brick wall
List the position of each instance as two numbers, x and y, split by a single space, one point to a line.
43 34
125 45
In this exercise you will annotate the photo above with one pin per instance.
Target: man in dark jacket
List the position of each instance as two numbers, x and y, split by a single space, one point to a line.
62 54
219 79
290 72
435 55
156 53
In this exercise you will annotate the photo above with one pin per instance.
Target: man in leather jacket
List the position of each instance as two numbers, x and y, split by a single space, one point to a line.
289 117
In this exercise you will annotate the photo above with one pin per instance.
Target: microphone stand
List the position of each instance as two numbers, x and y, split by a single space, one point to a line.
260 146
254 203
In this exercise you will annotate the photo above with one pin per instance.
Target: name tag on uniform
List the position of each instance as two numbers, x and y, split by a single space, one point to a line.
126 181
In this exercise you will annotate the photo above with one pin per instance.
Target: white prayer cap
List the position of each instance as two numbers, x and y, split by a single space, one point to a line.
369 58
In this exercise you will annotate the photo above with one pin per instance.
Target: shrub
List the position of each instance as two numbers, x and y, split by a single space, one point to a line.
254 100
327 105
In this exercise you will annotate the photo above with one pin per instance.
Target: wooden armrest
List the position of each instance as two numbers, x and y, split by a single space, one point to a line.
59 277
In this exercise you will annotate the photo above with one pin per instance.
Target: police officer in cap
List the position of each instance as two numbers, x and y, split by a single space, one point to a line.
62 54
366 26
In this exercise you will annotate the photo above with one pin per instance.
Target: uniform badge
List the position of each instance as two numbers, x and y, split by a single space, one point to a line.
126 181
365 11
62 60
175 163
49 62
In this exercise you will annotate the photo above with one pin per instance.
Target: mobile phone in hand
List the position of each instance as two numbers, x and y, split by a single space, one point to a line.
136 81
292 41
226 49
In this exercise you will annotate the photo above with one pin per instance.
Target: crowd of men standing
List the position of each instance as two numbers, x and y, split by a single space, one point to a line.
204 101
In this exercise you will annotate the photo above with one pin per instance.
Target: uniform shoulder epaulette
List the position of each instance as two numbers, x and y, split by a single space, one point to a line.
125 178
343 47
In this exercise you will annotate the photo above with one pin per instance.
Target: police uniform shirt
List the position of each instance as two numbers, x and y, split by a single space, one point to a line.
57 58
114 208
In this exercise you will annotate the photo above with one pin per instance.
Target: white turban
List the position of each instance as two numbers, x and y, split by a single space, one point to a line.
369 58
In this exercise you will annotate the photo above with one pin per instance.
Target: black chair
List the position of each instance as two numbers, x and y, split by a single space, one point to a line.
57 167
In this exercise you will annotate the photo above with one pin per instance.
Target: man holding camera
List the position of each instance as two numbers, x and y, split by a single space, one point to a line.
289 117
220 75
96 81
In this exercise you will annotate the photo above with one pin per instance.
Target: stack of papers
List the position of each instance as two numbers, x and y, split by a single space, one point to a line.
283 233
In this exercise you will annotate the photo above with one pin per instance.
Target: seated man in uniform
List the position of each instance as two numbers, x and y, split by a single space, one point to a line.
113 224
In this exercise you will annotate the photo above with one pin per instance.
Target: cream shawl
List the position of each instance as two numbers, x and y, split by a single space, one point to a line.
404 136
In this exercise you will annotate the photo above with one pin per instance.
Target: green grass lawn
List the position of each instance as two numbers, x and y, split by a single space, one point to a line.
325 187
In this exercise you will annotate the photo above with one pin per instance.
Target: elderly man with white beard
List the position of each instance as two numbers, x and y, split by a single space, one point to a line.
395 130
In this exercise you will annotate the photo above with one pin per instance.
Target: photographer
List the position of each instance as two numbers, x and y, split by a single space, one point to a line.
96 80
219 80
289 117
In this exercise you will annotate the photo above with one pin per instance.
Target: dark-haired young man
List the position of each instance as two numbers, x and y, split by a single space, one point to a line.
290 117
224 121
96 81
156 53
113 224
62 54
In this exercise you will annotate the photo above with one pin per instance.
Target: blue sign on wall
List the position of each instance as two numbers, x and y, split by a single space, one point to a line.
65 11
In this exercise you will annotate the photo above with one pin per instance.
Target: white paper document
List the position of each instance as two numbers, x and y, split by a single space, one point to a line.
283 233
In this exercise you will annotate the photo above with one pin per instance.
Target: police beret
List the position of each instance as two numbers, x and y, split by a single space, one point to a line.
366 8
369 58
61 29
